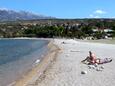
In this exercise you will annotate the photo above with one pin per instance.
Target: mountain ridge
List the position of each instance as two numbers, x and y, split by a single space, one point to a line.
11 15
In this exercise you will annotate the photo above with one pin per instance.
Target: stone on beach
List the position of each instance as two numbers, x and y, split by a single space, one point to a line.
37 61
83 72
91 66
102 67
98 69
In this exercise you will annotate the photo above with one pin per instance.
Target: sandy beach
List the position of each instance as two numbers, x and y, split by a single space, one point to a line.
66 69
63 67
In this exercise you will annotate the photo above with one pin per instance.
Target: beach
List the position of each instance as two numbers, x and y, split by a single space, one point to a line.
32 75
66 69
63 67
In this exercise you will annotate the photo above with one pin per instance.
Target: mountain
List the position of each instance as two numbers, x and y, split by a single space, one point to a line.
11 15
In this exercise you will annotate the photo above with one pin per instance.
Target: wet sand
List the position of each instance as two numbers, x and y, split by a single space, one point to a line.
32 75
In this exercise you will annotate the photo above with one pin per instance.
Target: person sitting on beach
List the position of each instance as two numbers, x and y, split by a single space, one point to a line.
92 59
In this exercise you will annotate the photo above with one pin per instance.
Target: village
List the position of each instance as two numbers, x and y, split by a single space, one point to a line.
68 28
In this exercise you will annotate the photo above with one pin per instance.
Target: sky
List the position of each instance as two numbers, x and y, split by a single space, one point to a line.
64 8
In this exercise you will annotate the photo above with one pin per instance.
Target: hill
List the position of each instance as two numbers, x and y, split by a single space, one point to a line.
11 15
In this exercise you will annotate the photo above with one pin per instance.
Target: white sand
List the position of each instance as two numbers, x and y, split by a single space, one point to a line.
66 70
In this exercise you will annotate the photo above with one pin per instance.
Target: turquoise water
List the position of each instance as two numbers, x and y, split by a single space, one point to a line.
17 56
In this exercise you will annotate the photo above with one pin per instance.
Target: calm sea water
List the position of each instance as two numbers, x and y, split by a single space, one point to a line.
17 56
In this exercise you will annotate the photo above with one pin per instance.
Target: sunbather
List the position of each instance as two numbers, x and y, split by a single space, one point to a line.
92 59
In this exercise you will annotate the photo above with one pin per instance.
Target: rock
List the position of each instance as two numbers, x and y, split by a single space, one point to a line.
102 67
95 64
37 61
91 67
98 69
63 43
83 72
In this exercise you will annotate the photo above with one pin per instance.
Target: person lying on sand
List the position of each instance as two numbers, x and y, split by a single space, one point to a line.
92 59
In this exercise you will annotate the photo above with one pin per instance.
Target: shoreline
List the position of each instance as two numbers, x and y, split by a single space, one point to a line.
34 38
31 76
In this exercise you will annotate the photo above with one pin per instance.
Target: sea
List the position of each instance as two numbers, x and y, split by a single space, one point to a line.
17 56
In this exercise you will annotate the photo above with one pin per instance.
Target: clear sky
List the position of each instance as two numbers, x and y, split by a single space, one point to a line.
64 8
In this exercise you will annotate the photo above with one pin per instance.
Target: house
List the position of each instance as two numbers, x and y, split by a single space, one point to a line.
108 30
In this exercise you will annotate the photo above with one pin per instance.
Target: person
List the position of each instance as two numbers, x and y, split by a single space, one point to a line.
105 60
92 59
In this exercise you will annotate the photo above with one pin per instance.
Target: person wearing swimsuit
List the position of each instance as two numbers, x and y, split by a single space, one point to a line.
92 59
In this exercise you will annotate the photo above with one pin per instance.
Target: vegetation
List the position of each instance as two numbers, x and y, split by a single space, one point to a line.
78 28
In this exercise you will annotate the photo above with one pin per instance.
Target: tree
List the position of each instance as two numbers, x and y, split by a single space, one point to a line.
87 30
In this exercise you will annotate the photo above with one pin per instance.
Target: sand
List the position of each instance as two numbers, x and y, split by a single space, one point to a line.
32 75
66 69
